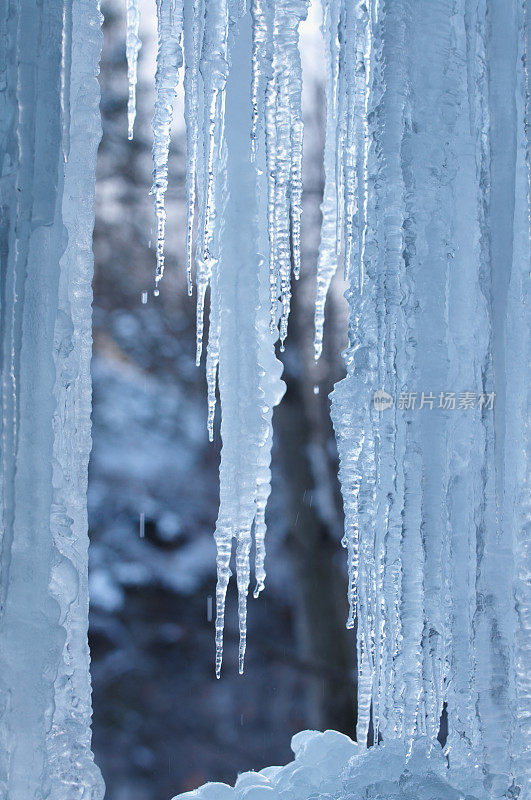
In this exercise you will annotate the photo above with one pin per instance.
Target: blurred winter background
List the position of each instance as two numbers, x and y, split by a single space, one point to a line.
162 723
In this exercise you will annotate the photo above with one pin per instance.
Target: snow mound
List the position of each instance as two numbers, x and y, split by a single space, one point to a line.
330 766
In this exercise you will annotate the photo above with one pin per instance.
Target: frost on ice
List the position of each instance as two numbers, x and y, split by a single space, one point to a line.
425 203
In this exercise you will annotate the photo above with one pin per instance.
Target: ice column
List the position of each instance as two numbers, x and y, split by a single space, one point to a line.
49 132
431 187
240 337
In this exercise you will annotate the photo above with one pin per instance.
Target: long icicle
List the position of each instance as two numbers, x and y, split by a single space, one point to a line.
214 68
169 61
284 130
192 38
132 46
241 341
328 244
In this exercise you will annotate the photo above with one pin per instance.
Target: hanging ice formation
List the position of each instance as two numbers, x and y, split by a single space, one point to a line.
49 134
132 46
238 129
169 61
425 197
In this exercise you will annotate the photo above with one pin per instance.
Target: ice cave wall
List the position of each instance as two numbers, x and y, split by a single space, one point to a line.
49 132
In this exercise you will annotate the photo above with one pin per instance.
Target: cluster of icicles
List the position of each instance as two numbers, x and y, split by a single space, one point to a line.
204 36
244 198
418 202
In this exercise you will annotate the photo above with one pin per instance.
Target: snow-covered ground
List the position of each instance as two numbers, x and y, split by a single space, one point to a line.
330 766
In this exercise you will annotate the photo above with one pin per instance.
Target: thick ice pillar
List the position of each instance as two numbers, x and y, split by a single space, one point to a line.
49 132
433 469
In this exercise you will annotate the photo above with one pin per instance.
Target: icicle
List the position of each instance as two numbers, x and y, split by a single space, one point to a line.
133 45
391 297
169 61
192 37
352 415
354 34
283 127
328 246
425 511
270 140
212 361
214 67
296 169
241 343
261 45
347 35
271 390
500 622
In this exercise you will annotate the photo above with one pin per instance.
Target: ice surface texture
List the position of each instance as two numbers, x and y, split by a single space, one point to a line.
330 766
49 132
